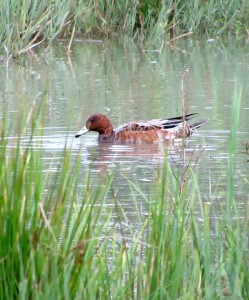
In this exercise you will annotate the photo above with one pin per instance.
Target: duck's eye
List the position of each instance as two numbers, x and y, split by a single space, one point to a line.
92 119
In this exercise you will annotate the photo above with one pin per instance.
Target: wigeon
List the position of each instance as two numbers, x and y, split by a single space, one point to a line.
141 131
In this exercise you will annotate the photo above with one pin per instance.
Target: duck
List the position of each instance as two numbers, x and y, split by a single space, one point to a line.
156 130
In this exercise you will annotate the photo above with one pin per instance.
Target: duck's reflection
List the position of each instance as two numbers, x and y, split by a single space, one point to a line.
103 157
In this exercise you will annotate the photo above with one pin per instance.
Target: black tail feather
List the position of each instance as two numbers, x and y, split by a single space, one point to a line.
187 117
173 122
198 124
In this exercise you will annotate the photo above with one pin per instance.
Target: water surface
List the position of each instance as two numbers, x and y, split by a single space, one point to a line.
131 84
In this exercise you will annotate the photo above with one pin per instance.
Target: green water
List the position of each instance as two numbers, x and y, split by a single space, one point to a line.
131 84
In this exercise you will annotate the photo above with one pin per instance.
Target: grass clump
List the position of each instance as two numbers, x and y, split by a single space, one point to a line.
60 241
44 237
26 24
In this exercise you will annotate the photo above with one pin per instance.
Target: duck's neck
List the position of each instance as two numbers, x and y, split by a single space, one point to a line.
106 137
105 130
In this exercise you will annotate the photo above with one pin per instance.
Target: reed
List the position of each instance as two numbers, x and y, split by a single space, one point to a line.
27 24
59 241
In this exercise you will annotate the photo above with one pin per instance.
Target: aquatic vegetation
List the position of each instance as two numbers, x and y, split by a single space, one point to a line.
27 24
59 240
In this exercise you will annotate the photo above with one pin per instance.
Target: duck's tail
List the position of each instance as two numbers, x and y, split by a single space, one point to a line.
191 128
196 125
186 130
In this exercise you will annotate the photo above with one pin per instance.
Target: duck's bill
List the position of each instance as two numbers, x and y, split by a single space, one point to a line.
82 131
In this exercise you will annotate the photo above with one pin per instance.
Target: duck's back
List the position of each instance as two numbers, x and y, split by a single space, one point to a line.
136 132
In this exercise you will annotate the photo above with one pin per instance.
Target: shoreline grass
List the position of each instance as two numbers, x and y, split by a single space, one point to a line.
27 24
59 242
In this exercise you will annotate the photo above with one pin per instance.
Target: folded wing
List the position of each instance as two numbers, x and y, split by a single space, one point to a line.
153 124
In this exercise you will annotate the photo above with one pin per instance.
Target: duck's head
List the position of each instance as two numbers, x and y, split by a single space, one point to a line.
96 122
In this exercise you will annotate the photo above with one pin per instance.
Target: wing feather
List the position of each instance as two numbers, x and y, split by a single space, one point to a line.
153 124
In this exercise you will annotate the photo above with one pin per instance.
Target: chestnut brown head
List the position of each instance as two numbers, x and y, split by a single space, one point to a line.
96 122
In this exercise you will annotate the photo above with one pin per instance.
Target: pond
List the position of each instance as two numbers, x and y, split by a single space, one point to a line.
129 84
